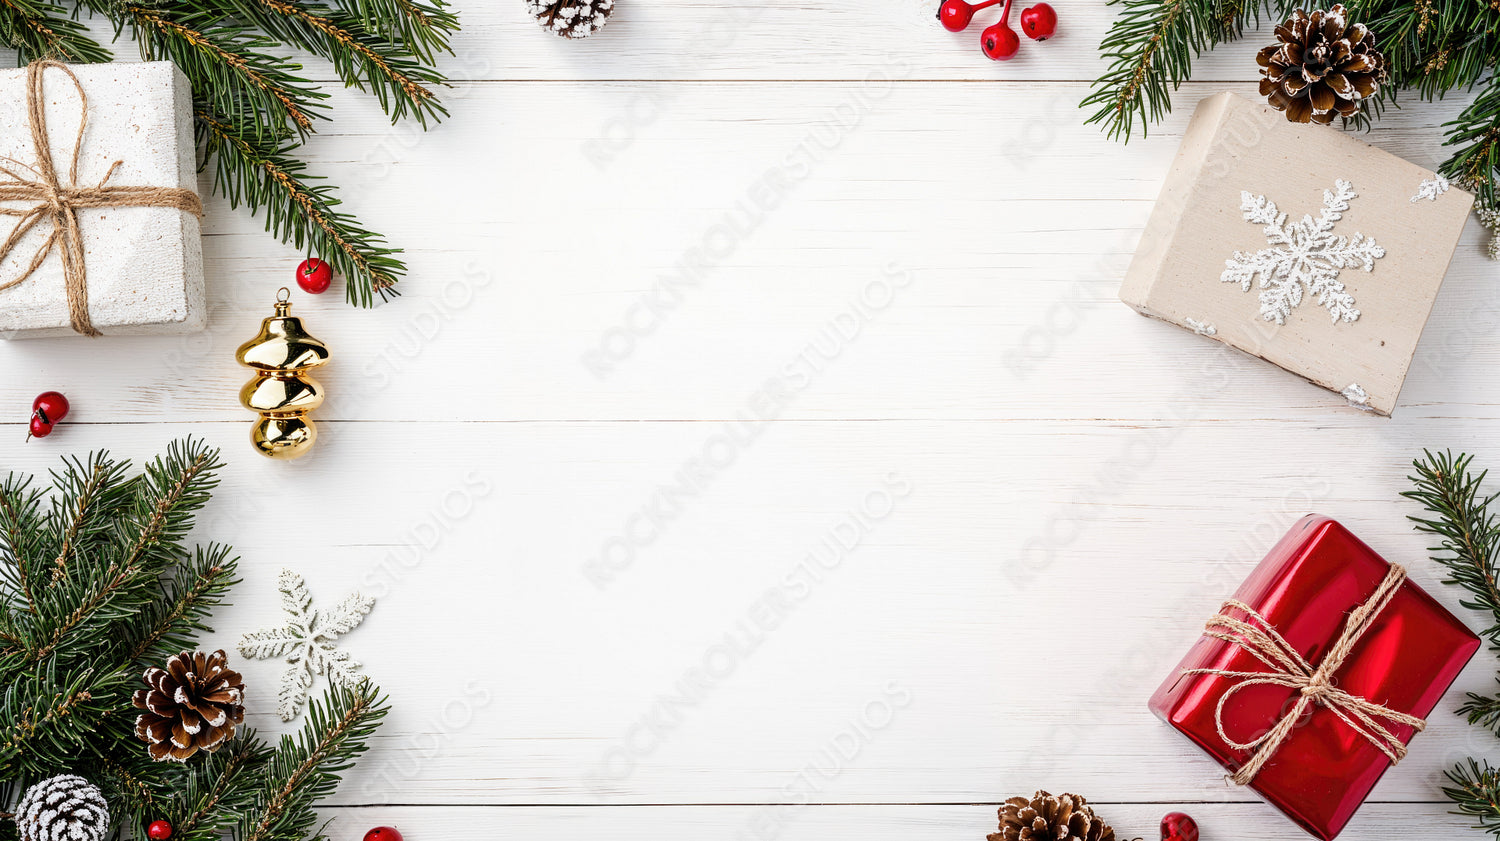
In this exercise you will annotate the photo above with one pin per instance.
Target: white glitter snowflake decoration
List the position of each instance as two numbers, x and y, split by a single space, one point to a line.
306 641
1305 256
1431 188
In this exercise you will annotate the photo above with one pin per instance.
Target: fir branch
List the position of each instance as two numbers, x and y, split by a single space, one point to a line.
158 516
1482 711
133 787
172 622
1150 50
1459 513
226 63
22 529
47 718
1476 131
172 488
361 59
260 172
221 788
1475 790
132 591
1470 535
42 29
306 768
424 29
88 497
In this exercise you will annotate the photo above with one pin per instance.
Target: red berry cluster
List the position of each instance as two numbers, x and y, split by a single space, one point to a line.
999 41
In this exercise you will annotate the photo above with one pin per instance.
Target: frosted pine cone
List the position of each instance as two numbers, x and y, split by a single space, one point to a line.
62 808
194 704
1320 66
571 18
1044 817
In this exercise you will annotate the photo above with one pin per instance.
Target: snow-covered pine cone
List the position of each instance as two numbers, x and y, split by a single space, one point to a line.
62 808
571 18
1046 817
194 704
1320 67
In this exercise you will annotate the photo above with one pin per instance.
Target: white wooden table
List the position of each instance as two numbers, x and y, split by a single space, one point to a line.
696 300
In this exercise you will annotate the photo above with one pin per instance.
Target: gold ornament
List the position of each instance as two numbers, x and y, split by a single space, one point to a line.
282 393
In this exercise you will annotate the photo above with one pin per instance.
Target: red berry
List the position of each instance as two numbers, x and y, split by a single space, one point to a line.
40 428
956 14
159 831
52 405
1000 42
1178 826
314 276
383 833
1039 22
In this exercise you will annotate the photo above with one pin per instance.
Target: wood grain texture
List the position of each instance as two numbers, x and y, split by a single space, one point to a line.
760 425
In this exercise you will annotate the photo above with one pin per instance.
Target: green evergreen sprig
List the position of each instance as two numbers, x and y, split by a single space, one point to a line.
306 767
97 582
1475 790
261 171
424 28
1150 51
402 82
41 29
1432 47
1458 512
253 106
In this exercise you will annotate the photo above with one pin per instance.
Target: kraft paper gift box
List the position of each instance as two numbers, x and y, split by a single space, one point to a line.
1307 594
142 265
1299 244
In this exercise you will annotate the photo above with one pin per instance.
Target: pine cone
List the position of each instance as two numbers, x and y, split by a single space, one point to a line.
193 704
1065 817
571 18
1320 66
62 808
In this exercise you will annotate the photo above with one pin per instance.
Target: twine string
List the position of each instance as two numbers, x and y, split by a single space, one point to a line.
53 200
1314 685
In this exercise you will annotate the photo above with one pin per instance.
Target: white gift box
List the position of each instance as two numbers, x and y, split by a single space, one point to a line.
1298 244
144 265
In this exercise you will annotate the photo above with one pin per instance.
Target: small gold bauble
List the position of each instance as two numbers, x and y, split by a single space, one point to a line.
283 437
282 393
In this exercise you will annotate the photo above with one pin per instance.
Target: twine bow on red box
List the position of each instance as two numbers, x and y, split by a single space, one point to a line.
1314 684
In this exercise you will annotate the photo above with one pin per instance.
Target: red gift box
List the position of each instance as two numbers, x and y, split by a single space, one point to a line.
1317 580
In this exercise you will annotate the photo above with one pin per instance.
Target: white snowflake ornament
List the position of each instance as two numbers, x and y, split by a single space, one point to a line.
1431 188
1303 256
306 641
1202 328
